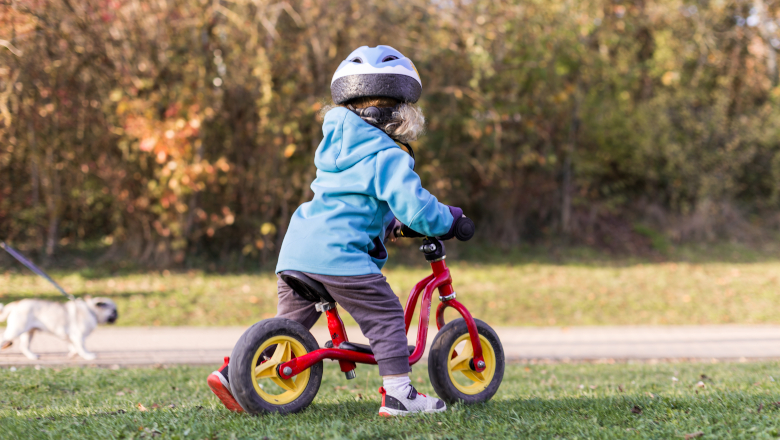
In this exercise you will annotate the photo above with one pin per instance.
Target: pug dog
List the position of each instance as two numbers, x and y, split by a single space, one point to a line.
72 321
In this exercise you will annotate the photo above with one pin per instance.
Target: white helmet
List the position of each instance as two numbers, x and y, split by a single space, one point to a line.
376 71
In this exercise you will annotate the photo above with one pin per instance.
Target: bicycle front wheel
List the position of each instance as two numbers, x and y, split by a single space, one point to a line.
450 365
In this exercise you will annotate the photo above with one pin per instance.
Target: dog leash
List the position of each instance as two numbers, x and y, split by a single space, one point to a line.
34 268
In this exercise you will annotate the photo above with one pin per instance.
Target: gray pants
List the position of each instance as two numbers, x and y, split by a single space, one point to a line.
371 302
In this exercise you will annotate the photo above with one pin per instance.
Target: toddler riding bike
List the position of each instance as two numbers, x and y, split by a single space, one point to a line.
366 191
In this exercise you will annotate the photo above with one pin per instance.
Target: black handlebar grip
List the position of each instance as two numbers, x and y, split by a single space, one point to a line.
464 229
407 232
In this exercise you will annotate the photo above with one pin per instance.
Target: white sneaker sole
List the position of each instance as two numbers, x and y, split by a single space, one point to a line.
389 412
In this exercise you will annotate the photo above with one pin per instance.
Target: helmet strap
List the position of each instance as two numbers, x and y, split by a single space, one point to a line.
374 115
411 153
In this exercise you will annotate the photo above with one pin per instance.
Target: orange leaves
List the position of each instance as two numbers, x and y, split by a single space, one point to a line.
148 143
170 136
161 156
223 165
16 23
228 218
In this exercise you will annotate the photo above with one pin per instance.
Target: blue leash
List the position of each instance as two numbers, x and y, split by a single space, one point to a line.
34 268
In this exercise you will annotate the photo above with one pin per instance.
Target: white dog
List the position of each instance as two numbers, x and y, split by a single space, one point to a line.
72 321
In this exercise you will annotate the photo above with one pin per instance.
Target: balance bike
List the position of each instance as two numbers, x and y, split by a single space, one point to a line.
276 365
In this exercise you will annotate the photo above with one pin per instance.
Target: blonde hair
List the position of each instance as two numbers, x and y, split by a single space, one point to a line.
407 124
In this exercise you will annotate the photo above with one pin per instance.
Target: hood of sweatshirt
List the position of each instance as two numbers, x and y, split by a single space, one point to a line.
348 139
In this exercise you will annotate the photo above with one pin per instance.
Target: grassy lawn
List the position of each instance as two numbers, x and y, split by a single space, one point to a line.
535 401
514 289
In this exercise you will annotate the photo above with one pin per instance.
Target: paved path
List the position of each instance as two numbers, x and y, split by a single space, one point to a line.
207 345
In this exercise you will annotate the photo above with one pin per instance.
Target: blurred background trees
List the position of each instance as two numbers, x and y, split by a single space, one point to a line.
171 129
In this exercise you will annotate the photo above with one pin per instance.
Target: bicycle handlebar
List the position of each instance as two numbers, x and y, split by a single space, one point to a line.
464 230
407 232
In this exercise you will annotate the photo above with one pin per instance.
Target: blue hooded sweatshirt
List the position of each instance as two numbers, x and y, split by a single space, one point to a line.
363 180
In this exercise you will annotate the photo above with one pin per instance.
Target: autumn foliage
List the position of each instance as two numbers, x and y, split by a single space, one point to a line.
175 128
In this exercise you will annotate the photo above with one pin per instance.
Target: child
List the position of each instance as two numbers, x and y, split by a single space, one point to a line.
364 182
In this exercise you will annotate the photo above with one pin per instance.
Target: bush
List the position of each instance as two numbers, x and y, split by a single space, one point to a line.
179 127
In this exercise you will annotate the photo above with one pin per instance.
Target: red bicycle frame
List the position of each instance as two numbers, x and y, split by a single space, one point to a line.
440 279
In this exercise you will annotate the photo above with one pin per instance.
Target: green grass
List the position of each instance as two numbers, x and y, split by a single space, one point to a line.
535 401
516 292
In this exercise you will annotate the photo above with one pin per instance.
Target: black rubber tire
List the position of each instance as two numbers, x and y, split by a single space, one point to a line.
439 360
241 368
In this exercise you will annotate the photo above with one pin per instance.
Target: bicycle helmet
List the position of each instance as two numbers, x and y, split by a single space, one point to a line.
376 71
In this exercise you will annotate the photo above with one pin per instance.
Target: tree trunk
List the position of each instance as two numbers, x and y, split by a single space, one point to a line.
567 163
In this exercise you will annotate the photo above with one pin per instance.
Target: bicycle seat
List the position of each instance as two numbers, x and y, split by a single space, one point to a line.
360 348
308 288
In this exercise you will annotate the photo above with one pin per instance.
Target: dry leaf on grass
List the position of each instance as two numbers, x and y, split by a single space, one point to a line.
636 409
141 407
693 435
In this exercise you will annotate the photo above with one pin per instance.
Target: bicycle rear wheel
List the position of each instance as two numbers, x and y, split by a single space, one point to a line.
253 375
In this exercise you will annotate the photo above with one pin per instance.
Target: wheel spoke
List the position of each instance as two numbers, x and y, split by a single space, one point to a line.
287 384
282 353
267 370
265 373
473 376
461 362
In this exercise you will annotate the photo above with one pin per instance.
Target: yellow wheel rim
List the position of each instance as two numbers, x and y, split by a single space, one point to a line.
466 380
272 388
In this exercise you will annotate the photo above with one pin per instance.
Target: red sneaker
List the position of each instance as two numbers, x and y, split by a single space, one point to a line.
221 387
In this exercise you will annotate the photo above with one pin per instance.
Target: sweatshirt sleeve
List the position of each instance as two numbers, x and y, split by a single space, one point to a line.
397 184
